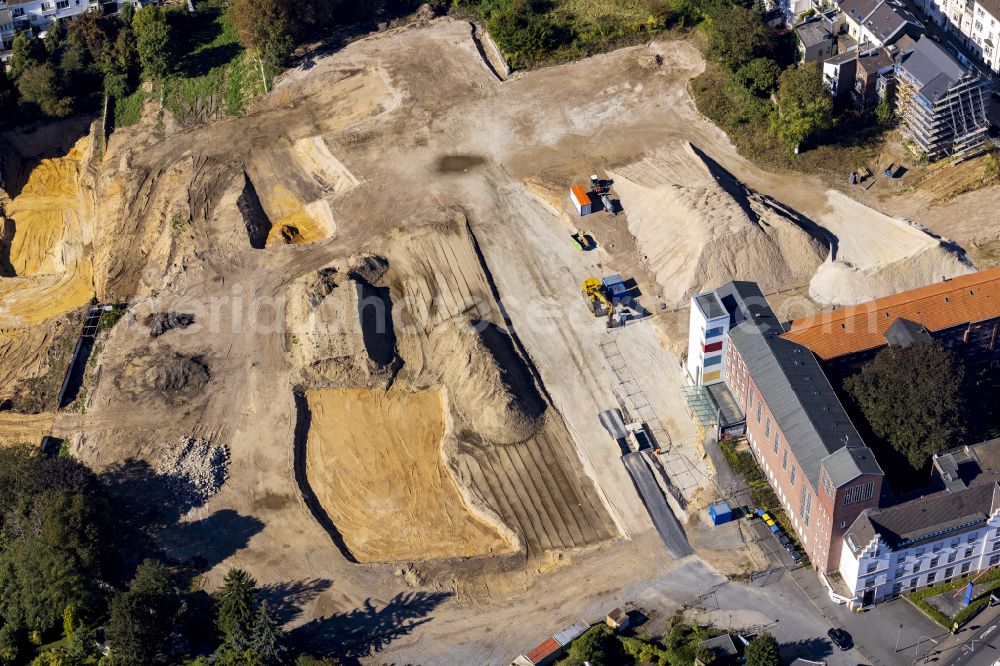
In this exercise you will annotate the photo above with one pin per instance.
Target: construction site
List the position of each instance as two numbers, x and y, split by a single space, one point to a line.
420 329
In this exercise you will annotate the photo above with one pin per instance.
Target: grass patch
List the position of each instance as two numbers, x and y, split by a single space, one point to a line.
111 317
542 32
742 462
128 110
211 63
986 583
853 140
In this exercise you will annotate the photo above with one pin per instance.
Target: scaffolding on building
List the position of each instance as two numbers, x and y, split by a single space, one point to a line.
954 124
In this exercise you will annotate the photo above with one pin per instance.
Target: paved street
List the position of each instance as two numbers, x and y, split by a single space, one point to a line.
979 644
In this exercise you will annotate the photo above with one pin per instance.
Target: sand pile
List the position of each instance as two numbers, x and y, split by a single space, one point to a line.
875 255
194 469
699 227
373 461
488 383
328 338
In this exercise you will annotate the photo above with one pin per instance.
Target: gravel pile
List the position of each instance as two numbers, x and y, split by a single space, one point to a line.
194 468
161 322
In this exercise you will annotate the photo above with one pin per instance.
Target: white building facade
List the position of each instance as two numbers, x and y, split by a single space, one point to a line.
976 24
708 324
37 15
927 541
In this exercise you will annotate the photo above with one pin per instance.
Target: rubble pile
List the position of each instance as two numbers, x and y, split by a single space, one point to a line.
195 468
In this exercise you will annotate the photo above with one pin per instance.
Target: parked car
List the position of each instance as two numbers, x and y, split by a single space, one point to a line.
840 638
784 541
795 555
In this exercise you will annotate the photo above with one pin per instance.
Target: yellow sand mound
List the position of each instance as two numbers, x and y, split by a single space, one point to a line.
53 273
372 459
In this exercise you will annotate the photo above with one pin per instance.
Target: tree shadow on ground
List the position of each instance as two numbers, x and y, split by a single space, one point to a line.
813 649
365 631
287 599
153 507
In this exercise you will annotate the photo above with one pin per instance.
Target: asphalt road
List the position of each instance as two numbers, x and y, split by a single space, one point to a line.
981 649
652 497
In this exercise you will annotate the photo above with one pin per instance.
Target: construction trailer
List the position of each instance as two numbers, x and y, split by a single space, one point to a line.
942 104
581 200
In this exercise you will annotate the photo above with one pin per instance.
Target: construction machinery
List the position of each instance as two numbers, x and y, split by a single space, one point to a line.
603 189
604 297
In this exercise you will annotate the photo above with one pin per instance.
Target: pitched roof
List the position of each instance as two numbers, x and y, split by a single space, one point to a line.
890 20
903 333
799 395
933 69
960 300
542 651
813 32
926 518
991 6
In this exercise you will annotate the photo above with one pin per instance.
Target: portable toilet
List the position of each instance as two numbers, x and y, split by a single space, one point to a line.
720 513
580 199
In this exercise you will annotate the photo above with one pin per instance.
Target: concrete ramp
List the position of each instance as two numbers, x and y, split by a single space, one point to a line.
656 504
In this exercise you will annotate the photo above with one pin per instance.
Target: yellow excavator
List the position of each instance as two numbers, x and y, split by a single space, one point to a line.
597 295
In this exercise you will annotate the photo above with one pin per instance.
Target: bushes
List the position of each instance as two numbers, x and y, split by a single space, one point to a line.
128 110
987 583
742 462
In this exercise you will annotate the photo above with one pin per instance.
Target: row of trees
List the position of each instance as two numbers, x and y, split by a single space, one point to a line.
763 63
81 60
67 575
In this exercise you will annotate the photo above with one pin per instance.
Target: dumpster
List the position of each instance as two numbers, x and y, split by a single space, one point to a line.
720 513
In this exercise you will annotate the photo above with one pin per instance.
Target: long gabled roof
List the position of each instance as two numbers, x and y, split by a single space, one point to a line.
960 300
800 397
927 518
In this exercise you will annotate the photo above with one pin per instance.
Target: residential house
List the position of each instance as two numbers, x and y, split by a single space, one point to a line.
976 24
37 16
871 65
874 23
839 72
816 39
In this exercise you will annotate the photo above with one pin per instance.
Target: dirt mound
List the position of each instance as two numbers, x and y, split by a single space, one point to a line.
174 377
194 469
488 383
341 331
161 322
369 268
699 227
876 255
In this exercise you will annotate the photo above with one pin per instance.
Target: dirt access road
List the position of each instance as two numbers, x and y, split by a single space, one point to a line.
412 120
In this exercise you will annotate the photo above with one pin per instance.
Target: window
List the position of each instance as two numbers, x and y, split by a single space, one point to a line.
931 577
954 542
920 551
62 4
759 411
750 397
871 567
952 557
775 443
934 561
793 475
713 360
972 538
916 567
996 545
714 331
805 506
767 427
896 589
965 568
913 584
937 547
859 493
870 582
784 465
994 560
949 572
17 11
968 552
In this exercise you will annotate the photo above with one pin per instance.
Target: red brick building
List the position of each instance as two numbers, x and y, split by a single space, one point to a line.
814 458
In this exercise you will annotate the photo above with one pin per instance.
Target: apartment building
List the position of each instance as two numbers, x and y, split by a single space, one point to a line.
873 23
37 15
976 23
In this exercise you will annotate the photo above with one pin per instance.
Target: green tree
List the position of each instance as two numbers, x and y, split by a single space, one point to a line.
705 655
591 647
912 399
268 638
763 651
737 35
760 76
805 107
152 41
55 36
40 85
142 616
266 29
235 613
25 51
884 112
